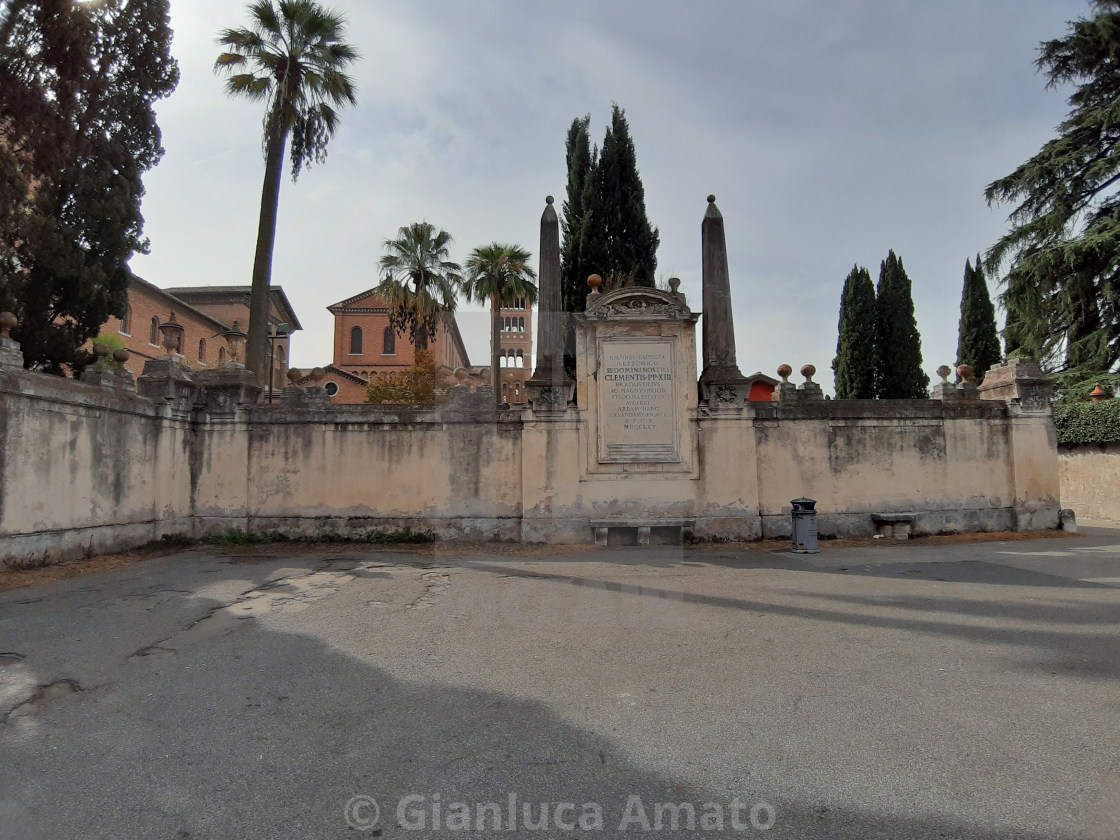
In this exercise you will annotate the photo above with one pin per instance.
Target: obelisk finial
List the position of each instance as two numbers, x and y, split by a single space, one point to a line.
550 333
719 326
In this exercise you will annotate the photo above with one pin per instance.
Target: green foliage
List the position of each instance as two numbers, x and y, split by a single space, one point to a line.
499 272
615 233
1087 422
573 269
113 342
292 58
78 84
854 364
977 336
237 537
899 374
605 227
418 280
1063 249
422 384
1077 385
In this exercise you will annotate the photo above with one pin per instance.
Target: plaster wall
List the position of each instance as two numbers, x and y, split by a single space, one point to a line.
1090 477
85 468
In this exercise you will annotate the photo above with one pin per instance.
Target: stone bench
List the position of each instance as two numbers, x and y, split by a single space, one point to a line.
893 526
649 531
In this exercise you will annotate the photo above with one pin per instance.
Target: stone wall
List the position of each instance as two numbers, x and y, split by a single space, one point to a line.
1090 477
87 468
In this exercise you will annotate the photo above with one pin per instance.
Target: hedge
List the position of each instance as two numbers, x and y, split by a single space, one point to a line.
1087 422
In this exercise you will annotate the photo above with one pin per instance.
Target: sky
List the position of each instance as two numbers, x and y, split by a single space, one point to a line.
829 131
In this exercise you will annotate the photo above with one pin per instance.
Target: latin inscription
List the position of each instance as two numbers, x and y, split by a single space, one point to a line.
636 402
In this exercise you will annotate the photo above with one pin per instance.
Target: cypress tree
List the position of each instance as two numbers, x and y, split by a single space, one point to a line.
855 360
616 239
978 340
899 373
78 85
573 269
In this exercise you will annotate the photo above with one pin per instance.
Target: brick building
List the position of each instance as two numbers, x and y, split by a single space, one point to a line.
205 313
516 359
365 345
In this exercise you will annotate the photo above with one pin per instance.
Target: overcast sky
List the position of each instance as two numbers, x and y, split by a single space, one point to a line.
830 132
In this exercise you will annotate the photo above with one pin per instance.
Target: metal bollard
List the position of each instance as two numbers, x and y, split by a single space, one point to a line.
804 515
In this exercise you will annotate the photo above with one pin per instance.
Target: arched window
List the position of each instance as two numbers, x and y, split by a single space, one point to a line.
356 341
126 322
202 349
153 334
282 356
520 359
517 392
505 392
221 355
506 327
521 324
389 343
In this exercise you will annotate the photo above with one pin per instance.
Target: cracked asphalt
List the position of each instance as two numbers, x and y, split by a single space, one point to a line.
890 691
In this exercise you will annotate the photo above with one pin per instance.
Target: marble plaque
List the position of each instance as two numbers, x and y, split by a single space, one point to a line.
638 411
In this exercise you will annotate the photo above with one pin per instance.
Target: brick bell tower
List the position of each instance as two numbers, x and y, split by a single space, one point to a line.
516 354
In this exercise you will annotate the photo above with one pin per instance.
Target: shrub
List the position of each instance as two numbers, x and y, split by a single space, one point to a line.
1087 422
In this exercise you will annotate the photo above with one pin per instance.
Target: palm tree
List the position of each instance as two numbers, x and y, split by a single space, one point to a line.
419 281
292 57
499 272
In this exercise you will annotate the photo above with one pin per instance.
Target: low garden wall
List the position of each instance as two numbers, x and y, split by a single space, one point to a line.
88 468
1088 437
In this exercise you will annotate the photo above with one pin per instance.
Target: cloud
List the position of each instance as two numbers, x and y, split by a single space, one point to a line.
830 133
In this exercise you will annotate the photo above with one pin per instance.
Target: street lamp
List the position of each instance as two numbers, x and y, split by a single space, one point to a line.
277 332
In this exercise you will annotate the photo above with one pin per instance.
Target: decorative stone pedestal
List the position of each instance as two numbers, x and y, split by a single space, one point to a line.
636 373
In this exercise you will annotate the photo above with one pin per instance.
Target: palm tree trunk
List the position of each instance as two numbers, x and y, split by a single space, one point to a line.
259 302
496 346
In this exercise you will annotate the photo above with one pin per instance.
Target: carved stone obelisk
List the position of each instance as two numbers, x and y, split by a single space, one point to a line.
722 385
550 388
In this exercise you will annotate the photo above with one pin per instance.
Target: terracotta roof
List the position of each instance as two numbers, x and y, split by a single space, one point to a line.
212 293
173 301
345 304
759 376
335 371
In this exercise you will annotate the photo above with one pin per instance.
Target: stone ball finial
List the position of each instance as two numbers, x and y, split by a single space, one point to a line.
549 199
965 372
785 371
294 375
595 282
944 372
675 284
318 375
711 199
121 355
8 322
808 371
461 375
101 350
1098 394
484 375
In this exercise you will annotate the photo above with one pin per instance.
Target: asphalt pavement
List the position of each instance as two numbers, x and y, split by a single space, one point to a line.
900 691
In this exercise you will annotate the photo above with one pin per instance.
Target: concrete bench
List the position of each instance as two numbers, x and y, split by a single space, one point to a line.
893 526
642 531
